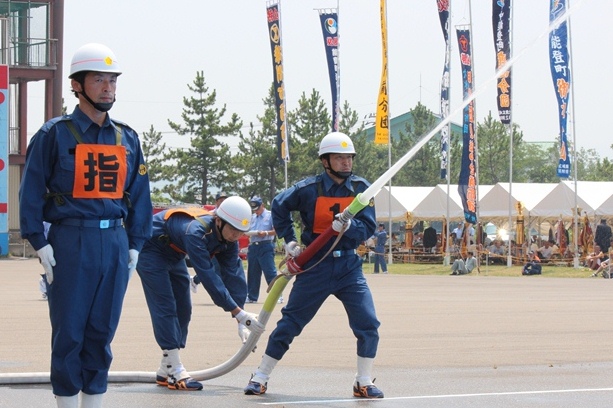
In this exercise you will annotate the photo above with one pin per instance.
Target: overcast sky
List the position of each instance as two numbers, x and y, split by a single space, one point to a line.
161 45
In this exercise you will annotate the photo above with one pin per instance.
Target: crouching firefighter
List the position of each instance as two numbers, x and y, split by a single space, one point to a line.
201 235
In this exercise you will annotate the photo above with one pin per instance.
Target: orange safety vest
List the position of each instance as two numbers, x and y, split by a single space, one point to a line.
100 170
326 208
196 213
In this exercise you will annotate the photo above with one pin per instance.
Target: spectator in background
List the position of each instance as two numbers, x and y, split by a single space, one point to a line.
430 239
533 266
380 239
496 252
594 259
546 251
602 237
261 254
463 267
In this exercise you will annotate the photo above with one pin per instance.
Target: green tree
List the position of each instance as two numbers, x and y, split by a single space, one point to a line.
154 152
207 160
535 164
257 162
493 143
309 123
424 168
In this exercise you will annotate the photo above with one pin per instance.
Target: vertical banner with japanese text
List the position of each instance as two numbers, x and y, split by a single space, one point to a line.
4 159
274 32
467 183
443 13
560 73
382 129
329 28
501 24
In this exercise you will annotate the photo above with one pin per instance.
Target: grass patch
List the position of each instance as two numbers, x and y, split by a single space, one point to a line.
551 271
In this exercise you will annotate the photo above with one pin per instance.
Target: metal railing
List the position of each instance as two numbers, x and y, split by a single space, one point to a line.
32 53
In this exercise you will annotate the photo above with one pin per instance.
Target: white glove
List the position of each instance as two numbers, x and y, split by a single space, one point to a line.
132 263
243 332
338 225
292 249
45 255
250 320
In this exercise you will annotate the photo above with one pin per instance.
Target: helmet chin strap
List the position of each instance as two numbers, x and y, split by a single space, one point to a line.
223 225
102 107
340 174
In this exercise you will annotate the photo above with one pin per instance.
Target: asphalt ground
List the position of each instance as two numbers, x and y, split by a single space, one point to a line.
446 341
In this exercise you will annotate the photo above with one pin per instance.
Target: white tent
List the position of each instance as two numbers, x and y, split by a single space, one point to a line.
434 205
402 199
495 203
540 200
560 202
598 194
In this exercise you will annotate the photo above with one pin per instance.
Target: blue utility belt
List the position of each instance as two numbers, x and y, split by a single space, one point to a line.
344 252
267 241
80 222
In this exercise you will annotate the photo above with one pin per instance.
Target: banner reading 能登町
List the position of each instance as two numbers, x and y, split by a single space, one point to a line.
560 73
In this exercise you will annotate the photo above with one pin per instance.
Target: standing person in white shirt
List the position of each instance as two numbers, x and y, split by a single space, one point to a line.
261 254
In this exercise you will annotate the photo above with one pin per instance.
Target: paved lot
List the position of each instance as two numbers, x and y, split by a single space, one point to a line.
466 341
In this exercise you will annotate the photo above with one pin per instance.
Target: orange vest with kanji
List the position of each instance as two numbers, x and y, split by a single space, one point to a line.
100 170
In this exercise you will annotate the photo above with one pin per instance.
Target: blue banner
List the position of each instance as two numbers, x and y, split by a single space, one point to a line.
560 72
329 28
274 32
501 23
467 183
443 14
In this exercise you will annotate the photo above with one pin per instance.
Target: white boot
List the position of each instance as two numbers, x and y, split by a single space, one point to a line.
364 374
67 402
161 376
174 367
91 400
178 377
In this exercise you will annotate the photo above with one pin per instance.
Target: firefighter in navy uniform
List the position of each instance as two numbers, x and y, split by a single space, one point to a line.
161 266
318 200
86 176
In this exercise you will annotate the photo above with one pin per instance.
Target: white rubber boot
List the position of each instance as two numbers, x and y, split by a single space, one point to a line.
91 400
161 376
67 402
178 377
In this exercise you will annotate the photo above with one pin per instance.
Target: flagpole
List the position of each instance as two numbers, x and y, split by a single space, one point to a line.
510 130
572 104
390 257
474 85
447 258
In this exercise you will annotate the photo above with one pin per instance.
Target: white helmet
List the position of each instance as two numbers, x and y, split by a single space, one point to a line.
336 142
94 57
236 212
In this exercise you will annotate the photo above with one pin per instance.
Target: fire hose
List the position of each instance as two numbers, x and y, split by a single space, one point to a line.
292 267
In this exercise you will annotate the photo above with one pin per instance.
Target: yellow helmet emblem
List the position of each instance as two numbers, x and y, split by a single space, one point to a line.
344 144
245 221
108 61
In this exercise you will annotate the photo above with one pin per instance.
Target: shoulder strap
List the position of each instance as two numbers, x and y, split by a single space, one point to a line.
79 139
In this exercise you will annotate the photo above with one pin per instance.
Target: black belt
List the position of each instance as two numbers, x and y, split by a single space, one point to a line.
344 252
268 241
101 224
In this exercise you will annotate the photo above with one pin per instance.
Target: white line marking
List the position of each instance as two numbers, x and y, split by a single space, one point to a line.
438 396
